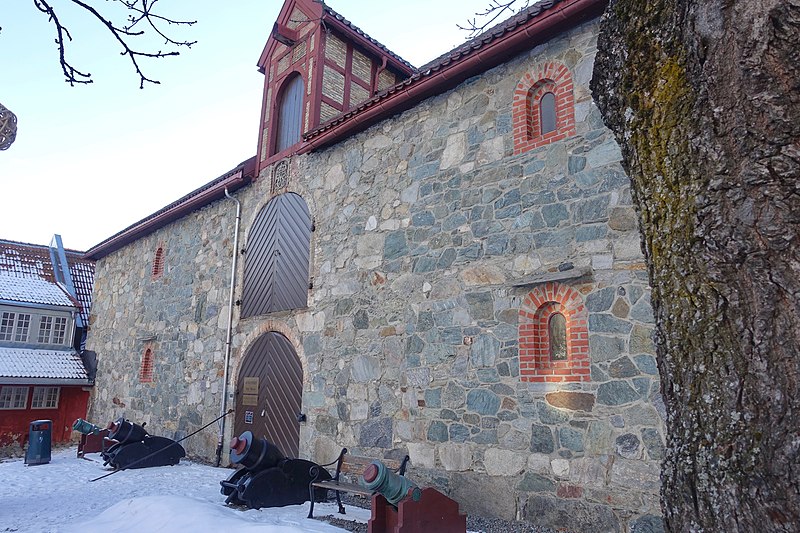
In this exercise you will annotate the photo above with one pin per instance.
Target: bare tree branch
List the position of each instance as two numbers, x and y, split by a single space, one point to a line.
488 16
142 11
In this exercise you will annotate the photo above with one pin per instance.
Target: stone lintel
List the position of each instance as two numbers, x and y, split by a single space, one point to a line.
575 401
546 277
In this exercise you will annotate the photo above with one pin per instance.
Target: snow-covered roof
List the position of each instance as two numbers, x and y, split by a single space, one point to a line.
33 291
18 365
33 261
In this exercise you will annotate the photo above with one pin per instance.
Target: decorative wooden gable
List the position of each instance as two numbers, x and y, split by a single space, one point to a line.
317 65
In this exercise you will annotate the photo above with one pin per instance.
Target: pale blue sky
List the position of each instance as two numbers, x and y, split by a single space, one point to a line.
91 160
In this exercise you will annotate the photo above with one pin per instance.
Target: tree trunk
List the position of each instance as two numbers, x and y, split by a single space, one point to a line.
704 99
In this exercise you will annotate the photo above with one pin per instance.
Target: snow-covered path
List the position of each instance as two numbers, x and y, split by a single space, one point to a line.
58 497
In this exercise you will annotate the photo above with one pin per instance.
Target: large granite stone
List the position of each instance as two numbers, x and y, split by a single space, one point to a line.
575 401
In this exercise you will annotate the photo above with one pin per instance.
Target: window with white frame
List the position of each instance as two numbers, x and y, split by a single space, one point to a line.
59 329
45 398
7 326
13 397
14 326
52 329
22 327
45 328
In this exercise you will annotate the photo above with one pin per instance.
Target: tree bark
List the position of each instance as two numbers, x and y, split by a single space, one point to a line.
704 99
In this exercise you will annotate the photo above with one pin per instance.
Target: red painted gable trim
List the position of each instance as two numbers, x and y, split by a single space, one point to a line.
449 73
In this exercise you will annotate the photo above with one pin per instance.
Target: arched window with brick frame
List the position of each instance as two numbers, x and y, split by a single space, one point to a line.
544 354
543 107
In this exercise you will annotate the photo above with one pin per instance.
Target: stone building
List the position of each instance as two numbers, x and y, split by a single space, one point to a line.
440 261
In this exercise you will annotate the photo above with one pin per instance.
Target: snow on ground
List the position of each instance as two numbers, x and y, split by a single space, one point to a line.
58 497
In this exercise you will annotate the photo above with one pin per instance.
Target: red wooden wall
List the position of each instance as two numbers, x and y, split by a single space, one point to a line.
72 404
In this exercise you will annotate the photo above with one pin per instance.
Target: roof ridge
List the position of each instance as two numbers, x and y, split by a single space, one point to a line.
341 18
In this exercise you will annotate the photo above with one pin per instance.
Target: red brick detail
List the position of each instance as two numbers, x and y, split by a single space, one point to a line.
146 369
569 491
535 364
548 77
158 262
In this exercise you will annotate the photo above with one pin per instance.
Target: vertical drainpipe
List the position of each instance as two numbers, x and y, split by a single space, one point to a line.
224 406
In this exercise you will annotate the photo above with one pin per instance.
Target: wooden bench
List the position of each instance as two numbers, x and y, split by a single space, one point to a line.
351 465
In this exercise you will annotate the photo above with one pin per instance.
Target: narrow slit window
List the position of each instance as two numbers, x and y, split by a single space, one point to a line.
158 263
547 112
557 327
146 370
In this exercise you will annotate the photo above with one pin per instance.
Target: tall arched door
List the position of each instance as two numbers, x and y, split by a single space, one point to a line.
269 393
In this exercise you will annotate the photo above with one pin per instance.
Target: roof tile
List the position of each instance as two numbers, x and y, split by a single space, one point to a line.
47 364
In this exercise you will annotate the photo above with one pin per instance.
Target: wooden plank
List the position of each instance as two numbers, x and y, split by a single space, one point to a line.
343 487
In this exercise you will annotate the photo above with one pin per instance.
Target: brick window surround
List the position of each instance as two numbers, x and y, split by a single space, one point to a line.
535 363
158 262
547 77
146 369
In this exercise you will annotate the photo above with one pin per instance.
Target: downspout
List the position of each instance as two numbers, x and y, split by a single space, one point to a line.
224 407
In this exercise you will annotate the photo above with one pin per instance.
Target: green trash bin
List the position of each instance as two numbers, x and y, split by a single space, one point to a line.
39 440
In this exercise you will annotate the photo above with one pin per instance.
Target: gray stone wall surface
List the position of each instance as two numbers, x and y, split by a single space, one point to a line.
427 228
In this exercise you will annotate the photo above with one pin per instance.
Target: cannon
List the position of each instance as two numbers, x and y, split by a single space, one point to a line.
265 477
129 445
92 437
399 506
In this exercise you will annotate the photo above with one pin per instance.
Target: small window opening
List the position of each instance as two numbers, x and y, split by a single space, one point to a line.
146 370
158 262
557 330
547 112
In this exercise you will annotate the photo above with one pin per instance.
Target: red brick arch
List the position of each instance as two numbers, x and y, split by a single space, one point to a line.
549 76
534 335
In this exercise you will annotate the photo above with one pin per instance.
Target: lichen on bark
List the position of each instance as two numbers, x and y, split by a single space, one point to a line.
704 99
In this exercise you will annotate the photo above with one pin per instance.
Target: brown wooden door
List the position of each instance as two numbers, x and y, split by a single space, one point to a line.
276 262
269 393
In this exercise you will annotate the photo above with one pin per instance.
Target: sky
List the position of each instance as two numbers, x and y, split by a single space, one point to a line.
91 160
185 498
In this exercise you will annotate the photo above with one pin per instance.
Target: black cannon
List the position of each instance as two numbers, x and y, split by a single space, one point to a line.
128 445
265 477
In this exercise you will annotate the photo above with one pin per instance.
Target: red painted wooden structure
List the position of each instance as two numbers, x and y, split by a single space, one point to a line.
433 512
72 404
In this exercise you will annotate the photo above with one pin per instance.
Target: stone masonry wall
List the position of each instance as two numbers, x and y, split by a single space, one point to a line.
181 316
430 234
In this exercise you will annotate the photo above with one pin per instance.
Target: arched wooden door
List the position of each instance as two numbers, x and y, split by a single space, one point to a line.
269 393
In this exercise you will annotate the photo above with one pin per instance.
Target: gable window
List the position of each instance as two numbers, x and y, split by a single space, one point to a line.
158 263
146 369
13 397
289 114
14 326
45 398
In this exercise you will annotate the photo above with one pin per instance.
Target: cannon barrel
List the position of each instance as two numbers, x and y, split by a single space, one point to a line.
85 427
393 487
254 454
125 431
